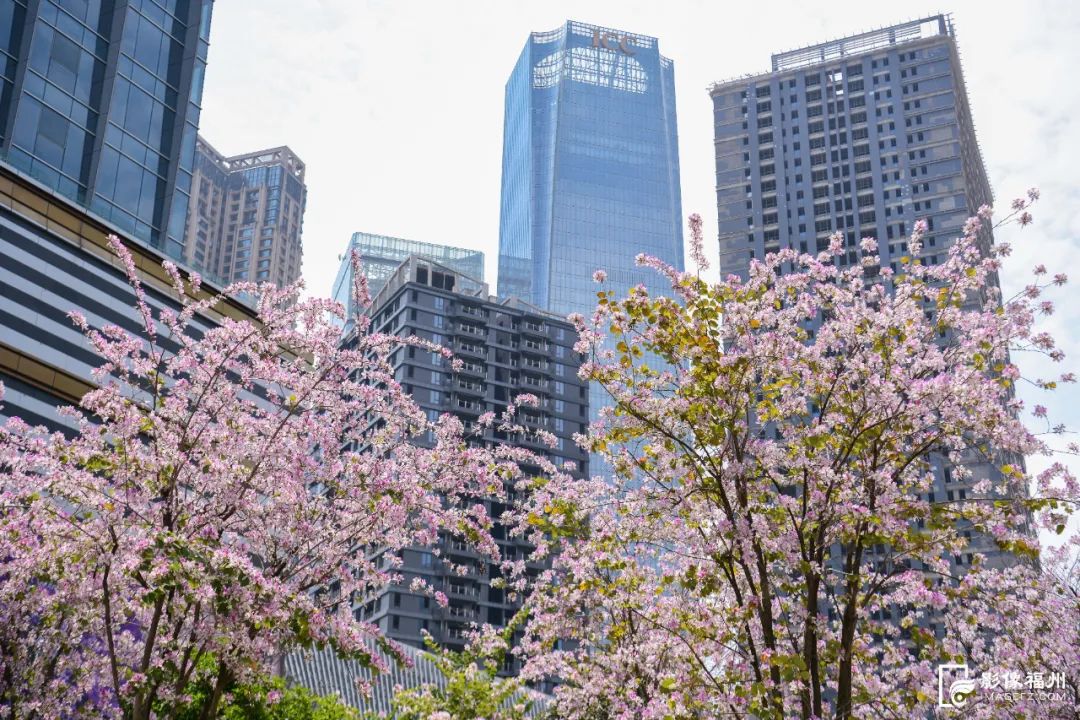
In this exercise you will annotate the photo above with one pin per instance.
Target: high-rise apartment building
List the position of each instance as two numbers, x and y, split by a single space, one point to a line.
590 174
864 136
246 215
506 348
99 102
380 256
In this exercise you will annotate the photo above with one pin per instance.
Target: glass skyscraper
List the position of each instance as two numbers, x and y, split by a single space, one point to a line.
590 174
99 101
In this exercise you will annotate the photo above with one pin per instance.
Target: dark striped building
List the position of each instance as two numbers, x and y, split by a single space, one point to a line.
54 258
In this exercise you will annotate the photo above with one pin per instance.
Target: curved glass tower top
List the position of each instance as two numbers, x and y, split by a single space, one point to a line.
590 166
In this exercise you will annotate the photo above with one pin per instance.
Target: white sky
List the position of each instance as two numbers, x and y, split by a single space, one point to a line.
396 106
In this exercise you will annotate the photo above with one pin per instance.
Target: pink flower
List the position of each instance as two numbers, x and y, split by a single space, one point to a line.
1039 411
599 276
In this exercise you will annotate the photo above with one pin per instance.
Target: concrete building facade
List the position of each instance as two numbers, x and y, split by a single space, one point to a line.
507 348
246 215
864 136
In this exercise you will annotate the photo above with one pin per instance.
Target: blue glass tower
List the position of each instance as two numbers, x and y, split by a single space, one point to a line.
590 174
99 101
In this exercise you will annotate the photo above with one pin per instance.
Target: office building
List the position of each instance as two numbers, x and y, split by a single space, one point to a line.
54 258
590 174
246 215
506 348
99 102
864 136
380 256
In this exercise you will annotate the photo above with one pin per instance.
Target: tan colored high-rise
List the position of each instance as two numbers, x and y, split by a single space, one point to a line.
246 215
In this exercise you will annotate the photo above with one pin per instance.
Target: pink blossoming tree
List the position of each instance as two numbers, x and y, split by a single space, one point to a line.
218 505
770 545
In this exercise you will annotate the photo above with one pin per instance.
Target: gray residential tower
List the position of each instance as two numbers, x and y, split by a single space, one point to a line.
506 348
863 136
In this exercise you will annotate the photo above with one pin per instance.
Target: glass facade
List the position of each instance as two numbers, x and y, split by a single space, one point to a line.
99 101
380 256
590 172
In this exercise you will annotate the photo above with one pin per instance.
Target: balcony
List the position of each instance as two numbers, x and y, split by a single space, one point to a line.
470 386
477 330
472 311
473 369
472 571
470 348
534 364
462 590
462 613
536 383
457 633
459 546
